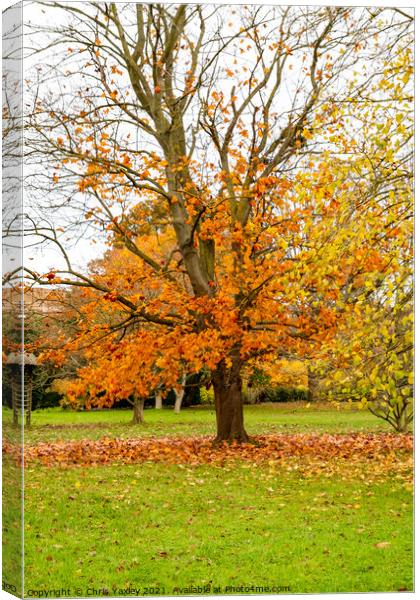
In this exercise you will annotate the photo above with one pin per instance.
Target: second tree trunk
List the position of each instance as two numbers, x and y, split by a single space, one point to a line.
138 406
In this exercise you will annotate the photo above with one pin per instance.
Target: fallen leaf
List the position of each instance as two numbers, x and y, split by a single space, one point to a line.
382 544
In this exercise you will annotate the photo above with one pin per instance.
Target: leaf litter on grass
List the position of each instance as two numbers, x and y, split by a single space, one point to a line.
307 453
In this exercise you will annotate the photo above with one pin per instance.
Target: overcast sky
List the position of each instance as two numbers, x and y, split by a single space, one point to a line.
42 259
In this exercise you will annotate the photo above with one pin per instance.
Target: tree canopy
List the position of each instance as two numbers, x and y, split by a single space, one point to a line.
248 170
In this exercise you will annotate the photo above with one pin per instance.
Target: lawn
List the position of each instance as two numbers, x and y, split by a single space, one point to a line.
163 526
172 528
57 424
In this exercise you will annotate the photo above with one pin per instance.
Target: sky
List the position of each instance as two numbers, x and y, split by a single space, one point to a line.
83 249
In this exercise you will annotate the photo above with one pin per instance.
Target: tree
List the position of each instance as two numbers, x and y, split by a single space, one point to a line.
374 367
371 360
174 122
179 395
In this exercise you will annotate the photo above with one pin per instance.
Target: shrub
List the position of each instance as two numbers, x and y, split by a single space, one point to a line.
206 396
255 395
43 399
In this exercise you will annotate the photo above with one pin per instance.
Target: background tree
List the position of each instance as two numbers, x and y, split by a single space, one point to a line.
372 360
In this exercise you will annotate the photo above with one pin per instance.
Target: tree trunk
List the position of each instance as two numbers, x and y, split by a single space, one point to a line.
158 401
227 385
179 396
138 414
312 385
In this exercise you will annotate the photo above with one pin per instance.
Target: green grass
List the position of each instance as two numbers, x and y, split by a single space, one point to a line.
160 526
55 423
165 526
12 524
